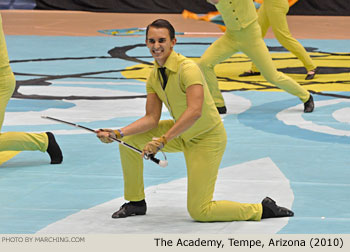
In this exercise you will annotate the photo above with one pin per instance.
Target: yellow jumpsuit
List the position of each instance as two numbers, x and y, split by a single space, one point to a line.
243 34
203 146
14 141
273 13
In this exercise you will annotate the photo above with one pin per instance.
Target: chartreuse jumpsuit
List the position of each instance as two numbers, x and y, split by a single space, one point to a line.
203 146
273 13
243 34
14 141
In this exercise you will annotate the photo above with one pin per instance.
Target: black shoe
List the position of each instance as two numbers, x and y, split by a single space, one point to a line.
54 149
309 105
249 73
130 209
222 110
271 210
312 75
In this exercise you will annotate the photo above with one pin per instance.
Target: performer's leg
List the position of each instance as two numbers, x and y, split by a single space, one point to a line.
263 19
257 50
220 50
203 157
277 11
21 141
264 23
132 162
16 141
7 86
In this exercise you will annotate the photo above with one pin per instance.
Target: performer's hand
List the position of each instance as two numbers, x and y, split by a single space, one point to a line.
154 146
106 135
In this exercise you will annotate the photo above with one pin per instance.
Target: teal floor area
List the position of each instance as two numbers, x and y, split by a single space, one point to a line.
35 194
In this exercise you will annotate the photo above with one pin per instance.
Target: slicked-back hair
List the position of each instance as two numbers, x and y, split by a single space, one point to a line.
162 23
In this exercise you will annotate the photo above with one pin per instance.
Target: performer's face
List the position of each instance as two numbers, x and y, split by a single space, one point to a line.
159 44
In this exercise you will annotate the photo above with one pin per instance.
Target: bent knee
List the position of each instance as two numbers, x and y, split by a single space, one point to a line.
198 214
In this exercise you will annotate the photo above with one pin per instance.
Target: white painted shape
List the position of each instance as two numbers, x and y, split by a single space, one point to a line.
342 115
83 111
167 213
235 104
112 83
293 116
73 91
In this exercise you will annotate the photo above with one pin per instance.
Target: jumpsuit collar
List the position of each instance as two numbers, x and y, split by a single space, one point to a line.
171 62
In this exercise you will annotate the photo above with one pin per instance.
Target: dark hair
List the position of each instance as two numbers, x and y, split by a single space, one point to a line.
162 23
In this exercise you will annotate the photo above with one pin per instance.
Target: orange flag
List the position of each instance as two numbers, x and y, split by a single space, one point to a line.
291 2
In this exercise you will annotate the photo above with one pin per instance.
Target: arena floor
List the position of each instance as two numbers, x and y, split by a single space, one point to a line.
66 68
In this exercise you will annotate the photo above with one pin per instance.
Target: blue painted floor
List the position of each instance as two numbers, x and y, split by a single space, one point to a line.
34 194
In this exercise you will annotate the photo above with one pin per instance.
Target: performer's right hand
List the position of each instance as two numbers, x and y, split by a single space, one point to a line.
106 135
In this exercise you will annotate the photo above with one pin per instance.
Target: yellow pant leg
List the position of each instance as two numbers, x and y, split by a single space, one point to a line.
263 20
7 86
252 44
274 12
132 163
264 23
217 52
17 141
21 141
277 16
203 157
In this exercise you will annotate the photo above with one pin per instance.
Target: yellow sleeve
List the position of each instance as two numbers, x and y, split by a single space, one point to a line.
190 74
150 82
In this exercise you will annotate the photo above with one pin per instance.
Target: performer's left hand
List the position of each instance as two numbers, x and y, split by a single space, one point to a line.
154 146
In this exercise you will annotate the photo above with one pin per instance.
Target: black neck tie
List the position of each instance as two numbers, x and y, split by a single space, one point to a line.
164 77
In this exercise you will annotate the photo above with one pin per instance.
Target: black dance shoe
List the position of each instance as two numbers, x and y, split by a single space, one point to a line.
271 210
309 105
131 209
249 73
54 149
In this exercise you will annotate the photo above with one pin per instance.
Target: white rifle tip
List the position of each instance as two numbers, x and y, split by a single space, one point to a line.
163 163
